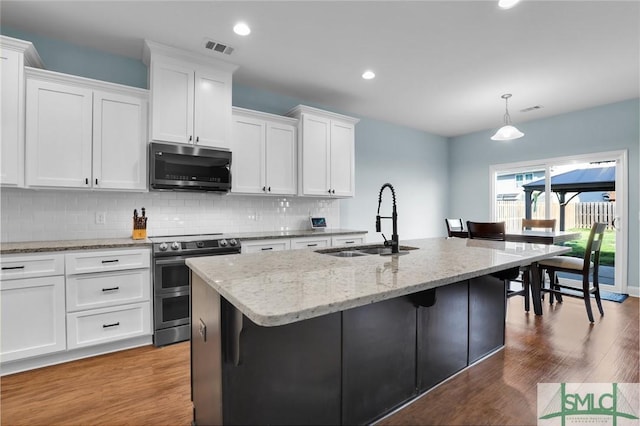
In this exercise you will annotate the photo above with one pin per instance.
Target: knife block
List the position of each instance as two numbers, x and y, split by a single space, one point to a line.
139 228
139 234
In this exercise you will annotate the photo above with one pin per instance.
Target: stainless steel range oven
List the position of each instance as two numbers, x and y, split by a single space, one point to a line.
171 280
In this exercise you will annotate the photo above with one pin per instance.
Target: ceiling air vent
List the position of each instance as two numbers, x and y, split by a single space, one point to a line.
533 108
218 47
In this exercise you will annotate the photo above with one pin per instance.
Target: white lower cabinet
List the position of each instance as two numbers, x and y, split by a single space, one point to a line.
348 240
102 304
32 306
315 241
310 242
108 296
261 246
89 291
33 321
95 326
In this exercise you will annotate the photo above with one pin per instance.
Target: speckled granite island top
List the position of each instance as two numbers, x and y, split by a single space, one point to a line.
277 288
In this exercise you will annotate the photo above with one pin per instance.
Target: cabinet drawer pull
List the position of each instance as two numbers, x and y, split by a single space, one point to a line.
349 242
312 245
115 324
266 248
8 268
111 261
111 289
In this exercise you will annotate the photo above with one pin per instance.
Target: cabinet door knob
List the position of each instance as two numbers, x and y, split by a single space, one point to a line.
190 138
329 191
197 139
264 189
269 189
333 191
86 181
96 181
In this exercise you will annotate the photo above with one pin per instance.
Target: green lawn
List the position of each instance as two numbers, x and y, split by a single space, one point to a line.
607 251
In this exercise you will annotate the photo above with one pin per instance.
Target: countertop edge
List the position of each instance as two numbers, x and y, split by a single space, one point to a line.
271 320
25 247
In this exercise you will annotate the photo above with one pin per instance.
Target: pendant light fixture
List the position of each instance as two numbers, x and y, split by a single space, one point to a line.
507 132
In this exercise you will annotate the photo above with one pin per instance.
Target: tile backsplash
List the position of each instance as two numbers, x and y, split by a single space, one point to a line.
44 215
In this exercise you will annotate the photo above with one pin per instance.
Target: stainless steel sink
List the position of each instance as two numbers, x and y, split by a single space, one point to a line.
348 253
357 251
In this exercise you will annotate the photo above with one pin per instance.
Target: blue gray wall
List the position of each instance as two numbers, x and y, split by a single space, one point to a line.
606 128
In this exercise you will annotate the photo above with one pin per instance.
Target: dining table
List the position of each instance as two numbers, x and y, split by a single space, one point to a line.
533 237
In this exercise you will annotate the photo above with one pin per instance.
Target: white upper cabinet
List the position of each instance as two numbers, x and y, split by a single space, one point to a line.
82 133
326 152
190 96
14 55
264 153
119 141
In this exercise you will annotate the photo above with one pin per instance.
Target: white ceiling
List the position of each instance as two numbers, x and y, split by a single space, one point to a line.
441 66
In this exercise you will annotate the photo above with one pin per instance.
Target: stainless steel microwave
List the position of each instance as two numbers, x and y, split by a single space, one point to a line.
189 168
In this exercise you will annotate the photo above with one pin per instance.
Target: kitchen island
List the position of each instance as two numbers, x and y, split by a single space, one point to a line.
302 337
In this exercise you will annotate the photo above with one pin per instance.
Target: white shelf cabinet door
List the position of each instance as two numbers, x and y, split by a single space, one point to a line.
280 161
248 155
33 317
12 148
58 135
172 102
315 156
342 163
310 242
119 142
348 240
263 246
212 109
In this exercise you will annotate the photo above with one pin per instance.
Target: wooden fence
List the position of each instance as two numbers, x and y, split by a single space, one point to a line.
577 215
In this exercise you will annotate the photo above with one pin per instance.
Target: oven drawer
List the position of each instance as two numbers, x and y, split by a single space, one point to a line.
113 260
15 267
88 328
89 291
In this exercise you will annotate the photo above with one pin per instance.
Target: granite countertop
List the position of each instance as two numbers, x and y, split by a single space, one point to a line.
247 236
277 288
106 243
65 245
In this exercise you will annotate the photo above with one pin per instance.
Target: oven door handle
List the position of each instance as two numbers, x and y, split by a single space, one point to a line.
172 261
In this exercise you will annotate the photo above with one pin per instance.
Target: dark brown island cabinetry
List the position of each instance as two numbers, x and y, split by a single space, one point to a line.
349 367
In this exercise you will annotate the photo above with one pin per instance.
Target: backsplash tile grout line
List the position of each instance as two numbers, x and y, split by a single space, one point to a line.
45 215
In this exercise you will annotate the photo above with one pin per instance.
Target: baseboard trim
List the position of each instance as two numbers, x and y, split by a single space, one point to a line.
26 364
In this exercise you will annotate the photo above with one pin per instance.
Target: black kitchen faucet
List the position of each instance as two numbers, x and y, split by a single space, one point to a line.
395 241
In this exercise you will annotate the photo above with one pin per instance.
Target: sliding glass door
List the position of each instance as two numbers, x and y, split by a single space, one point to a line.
576 191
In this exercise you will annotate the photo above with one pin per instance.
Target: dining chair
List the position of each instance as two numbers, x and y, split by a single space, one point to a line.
495 231
534 225
539 224
454 225
588 265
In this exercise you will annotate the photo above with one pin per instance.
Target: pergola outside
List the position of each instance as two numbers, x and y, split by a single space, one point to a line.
576 181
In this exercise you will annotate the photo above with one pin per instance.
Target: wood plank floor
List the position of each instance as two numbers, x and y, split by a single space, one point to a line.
150 386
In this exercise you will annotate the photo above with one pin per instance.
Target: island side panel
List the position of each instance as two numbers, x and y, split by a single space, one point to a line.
443 335
487 314
379 359
206 353
285 375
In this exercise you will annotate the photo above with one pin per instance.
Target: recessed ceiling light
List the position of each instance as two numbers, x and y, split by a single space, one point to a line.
241 29
368 75
507 4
